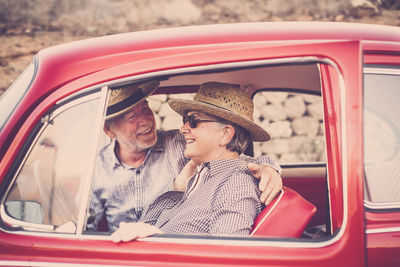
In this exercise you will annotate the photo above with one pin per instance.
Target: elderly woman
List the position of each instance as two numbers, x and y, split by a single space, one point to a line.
222 197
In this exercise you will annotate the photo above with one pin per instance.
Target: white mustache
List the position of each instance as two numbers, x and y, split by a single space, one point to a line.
144 129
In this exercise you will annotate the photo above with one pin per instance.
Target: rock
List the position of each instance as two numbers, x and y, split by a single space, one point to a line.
295 107
172 122
278 146
259 100
302 144
316 110
273 112
289 158
307 126
154 104
363 8
280 129
276 98
166 111
310 99
158 121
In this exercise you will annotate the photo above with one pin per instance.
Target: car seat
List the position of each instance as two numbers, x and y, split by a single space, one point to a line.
286 216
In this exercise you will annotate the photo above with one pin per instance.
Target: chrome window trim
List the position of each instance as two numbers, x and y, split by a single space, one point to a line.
88 174
46 121
369 204
326 162
381 205
382 230
252 242
383 70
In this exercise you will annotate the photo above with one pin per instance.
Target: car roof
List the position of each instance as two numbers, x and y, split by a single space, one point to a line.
79 58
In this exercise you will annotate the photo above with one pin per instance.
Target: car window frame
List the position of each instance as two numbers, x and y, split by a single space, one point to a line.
259 242
60 107
279 242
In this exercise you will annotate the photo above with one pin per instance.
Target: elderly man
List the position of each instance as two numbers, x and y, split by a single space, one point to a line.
142 163
222 198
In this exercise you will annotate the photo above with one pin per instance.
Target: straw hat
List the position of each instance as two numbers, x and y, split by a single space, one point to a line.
122 99
224 101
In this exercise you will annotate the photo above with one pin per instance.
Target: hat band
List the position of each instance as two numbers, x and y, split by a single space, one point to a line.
211 104
129 101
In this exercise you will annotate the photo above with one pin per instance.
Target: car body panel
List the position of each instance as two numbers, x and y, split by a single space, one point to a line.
67 69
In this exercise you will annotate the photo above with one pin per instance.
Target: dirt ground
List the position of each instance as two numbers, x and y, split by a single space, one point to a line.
26 26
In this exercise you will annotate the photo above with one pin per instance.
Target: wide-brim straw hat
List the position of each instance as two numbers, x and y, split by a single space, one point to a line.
225 101
122 99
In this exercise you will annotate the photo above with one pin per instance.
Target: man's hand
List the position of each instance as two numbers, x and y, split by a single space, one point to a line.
130 231
270 181
186 173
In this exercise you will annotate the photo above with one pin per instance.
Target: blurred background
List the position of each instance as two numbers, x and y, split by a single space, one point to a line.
27 26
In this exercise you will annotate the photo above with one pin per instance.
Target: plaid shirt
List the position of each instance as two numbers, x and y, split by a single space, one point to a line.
222 198
121 192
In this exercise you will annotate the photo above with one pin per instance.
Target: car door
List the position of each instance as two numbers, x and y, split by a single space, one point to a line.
381 143
46 242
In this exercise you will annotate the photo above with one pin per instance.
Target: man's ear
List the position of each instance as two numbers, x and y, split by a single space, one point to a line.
107 130
227 134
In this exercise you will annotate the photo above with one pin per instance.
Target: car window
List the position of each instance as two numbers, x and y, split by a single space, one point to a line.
166 118
45 190
293 118
382 135
295 123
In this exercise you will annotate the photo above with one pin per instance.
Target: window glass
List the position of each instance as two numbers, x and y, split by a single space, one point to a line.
294 121
13 95
46 188
166 118
382 137
295 124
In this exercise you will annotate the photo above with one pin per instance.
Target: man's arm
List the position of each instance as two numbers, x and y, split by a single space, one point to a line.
186 173
270 181
268 172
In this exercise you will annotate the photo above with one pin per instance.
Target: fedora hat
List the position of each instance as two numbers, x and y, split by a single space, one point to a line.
225 101
124 98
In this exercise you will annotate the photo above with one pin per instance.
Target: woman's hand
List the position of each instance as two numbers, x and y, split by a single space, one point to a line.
130 231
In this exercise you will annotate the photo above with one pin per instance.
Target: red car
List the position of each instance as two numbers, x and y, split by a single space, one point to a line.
329 98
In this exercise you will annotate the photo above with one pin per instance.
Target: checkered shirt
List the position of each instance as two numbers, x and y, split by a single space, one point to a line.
225 202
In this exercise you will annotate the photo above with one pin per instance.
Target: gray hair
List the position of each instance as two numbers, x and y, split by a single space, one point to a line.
240 140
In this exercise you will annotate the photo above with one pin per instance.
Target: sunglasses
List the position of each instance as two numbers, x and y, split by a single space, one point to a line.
193 121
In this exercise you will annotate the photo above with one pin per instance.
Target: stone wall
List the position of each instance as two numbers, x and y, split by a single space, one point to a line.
294 121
